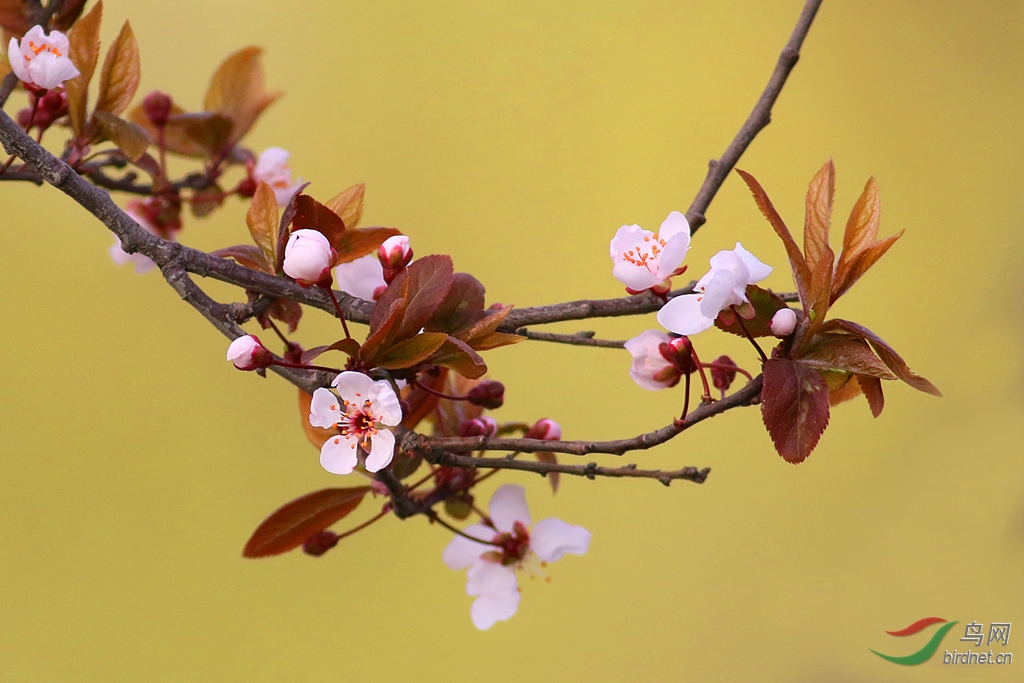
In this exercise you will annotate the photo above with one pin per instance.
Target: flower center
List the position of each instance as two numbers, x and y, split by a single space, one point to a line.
37 49
514 546
646 255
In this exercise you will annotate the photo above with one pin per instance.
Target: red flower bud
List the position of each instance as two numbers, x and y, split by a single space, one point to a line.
247 187
394 254
489 395
546 429
320 544
479 426
722 377
679 352
157 106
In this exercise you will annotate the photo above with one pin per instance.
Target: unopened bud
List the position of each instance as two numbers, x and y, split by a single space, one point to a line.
157 106
247 187
783 322
479 426
723 372
545 429
679 352
320 544
248 353
489 395
308 257
394 254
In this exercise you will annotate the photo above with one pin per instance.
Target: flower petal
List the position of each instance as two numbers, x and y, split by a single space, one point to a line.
508 506
673 254
758 271
324 409
338 455
553 538
489 577
17 61
682 315
635 277
354 387
727 288
675 224
382 449
648 361
627 237
462 552
360 278
487 610
385 403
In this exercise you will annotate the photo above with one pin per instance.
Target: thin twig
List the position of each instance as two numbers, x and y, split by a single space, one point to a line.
590 470
761 116
585 338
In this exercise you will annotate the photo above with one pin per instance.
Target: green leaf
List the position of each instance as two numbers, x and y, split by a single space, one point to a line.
293 523
794 407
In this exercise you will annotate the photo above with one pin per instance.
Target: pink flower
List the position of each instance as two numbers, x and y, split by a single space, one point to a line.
42 60
545 429
783 322
361 414
363 278
248 353
723 286
272 168
642 261
509 546
143 264
307 257
659 361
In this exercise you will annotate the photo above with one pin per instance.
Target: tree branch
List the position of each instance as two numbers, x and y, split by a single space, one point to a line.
591 470
761 116
435 446
584 338
8 85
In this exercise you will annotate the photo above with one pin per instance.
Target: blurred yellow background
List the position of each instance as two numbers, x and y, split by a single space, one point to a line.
517 138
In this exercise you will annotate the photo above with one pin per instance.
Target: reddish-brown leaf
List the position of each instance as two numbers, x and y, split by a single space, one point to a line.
200 134
765 304
872 387
84 52
15 17
312 215
359 242
817 251
293 523
862 226
317 435
129 137
801 273
845 352
121 72
349 347
237 90
495 340
66 15
382 328
348 204
421 402
410 352
852 270
461 358
794 407
551 459
423 286
263 221
462 306
246 254
483 327
288 312
850 388
888 355
205 201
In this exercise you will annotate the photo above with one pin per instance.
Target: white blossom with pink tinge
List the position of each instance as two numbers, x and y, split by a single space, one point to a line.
510 547
272 168
723 286
650 369
363 278
361 415
42 60
308 256
641 260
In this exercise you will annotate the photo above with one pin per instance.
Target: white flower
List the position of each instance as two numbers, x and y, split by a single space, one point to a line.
510 546
642 261
723 286
272 168
365 406
362 278
650 368
783 322
40 59
394 254
143 264
248 353
308 256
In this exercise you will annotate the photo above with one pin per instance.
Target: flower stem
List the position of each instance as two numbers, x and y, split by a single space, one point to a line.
337 307
362 526
722 366
277 330
300 366
703 377
686 400
433 516
435 392
746 333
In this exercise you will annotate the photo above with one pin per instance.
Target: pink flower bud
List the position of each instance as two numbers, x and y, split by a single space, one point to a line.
320 543
157 106
490 395
248 353
394 254
783 322
679 352
308 257
246 187
546 429
479 426
722 377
